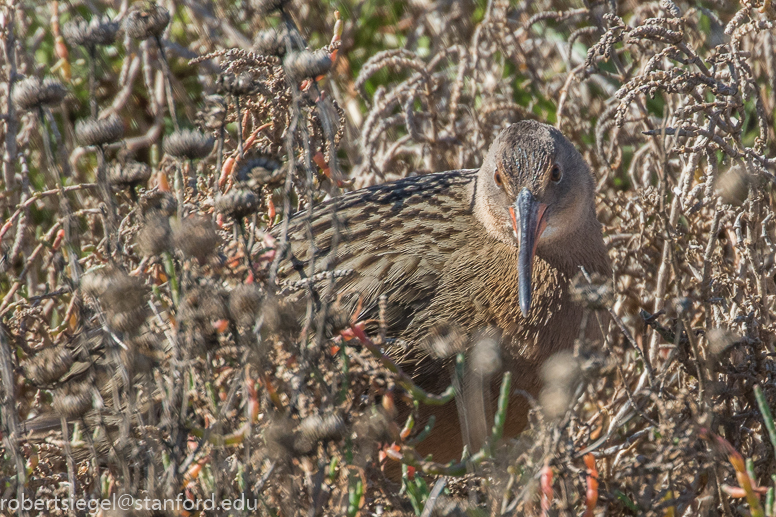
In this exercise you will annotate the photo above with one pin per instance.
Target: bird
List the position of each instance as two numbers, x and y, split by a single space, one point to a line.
458 255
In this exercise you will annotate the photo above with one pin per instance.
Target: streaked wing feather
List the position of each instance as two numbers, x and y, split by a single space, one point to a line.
395 237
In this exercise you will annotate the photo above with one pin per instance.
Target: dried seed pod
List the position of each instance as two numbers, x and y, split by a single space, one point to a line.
270 42
98 31
197 238
73 400
129 175
100 131
145 23
237 85
159 201
188 143
32 92
155 237
245 303
306 64
671 8
256 171
48 365
237 203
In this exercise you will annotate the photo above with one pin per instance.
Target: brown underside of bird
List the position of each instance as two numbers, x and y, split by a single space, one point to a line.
439 249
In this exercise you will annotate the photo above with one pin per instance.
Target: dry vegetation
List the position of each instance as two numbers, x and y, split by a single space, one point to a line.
148 148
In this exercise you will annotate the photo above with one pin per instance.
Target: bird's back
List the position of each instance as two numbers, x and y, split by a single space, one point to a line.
392 239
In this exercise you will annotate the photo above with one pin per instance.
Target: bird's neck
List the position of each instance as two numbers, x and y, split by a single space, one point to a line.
583 247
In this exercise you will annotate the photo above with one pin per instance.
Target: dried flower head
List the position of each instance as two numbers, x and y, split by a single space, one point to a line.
237 85
127 321
73 400
245 303
203 303
485 355
48 365
98 31
146 23
130 174
100 131
280 316
155 236
123 297
188 143
560 374
124 293
733 186
720 339
444 340
237 203
271 42
280 439
257 170
96 282
306 64
264 7
213 115
197 238
158 201
596 295
201 312
317 428
32 92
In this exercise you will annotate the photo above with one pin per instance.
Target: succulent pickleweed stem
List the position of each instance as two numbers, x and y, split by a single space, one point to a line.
239 126
180 187
169 269
93 107
424 433
767 415
409 456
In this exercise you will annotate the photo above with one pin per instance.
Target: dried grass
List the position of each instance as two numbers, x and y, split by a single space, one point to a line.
180 377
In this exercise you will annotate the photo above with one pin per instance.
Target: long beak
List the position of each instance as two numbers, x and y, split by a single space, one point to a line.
527 215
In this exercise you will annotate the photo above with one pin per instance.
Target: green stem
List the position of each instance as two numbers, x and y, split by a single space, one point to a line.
169 269
767 415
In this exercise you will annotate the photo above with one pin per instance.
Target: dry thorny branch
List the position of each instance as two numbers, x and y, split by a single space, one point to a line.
142 174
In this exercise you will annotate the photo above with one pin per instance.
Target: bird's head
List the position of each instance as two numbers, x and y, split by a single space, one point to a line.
535 192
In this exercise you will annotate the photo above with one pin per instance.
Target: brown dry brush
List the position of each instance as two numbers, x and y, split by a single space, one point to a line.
146 349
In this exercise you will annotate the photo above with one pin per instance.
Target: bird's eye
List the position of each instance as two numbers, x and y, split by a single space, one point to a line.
497 179
555 174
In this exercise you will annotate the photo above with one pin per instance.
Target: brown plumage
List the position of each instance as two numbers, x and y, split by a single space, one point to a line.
444 249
